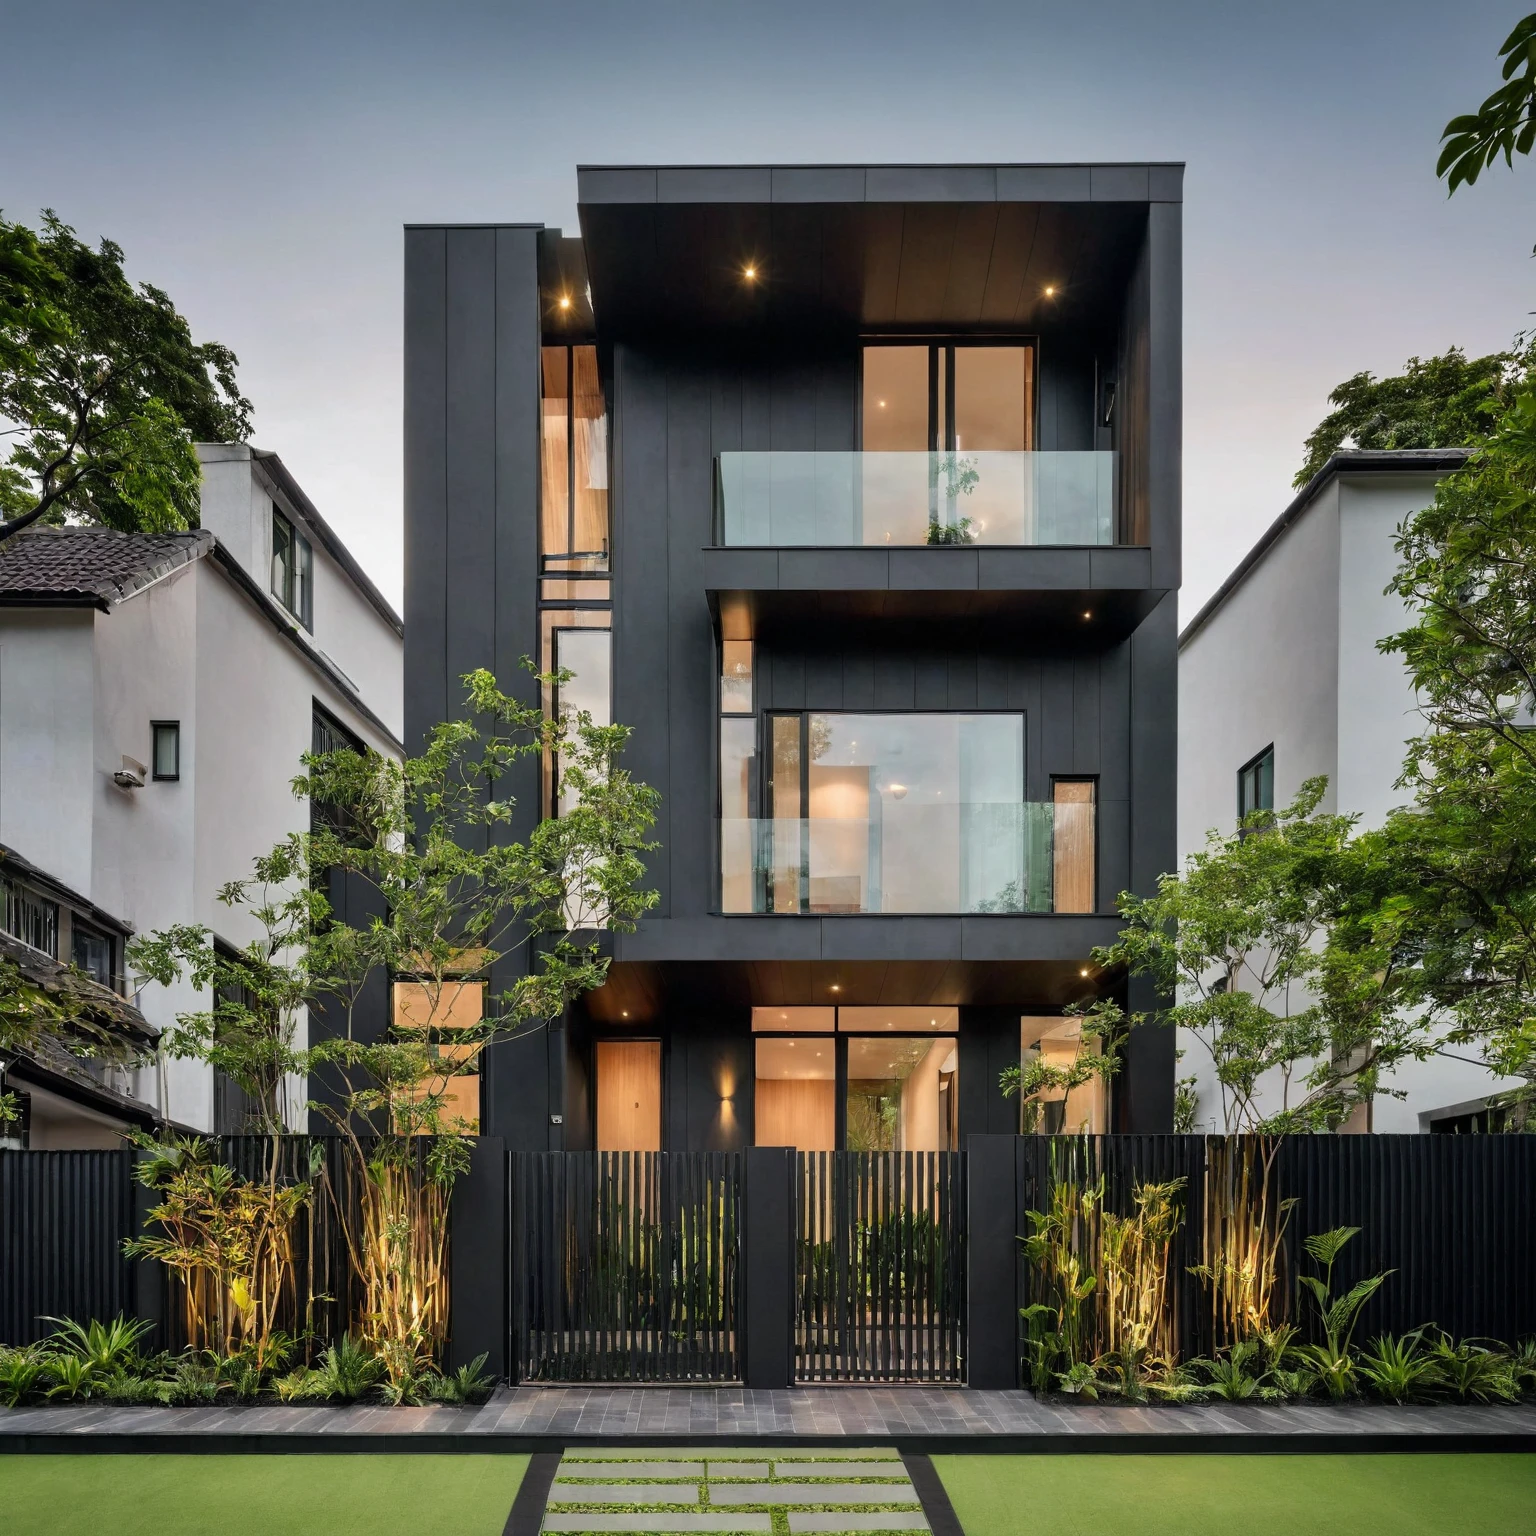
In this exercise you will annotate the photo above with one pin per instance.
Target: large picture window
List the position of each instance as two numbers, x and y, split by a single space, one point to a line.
945 397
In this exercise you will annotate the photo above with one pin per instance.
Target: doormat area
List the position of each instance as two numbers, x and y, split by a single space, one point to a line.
746 1491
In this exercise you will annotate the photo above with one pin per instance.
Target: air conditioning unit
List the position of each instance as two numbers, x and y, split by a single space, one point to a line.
131 774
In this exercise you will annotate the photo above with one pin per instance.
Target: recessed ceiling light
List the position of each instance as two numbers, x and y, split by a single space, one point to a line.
1087 613
565 301
750 274
1050 290
1083 972
624 1014
835 987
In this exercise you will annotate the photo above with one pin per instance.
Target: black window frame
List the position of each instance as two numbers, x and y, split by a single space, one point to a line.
297 593
941 357
550 563
1253 765
155 727
77 927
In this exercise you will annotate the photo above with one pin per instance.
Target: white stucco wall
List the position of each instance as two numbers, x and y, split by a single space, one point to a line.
46 754
1291 658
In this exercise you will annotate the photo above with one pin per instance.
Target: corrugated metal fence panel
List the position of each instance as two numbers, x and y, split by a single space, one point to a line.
625 1265
880 1266
63 1219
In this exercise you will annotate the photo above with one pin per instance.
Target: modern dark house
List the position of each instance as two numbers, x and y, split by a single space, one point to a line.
855 491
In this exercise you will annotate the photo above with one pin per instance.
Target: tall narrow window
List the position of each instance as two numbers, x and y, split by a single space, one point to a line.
587 654
736 677
573 519
292 570
165 748
1256 784
1072 845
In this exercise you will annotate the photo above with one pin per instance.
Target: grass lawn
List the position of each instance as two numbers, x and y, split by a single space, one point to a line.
274 1495
1418 1495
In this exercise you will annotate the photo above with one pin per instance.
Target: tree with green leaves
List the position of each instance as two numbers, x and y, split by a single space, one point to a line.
1448 401
1505 125
459 896
1285 970
103 390
1463 856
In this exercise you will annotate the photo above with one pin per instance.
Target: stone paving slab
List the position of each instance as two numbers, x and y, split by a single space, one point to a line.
666 1524
788 1467
608 1467
813 1493
626 1493
738 1469
831 1453
812 1522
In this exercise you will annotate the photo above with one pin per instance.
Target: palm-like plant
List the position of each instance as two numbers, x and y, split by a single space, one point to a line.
1399 1370
1473 1373
104 1346
345 1372
72 1377
1331 1361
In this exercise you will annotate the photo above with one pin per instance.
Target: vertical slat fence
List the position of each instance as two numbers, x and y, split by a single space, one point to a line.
626 1265
880 1266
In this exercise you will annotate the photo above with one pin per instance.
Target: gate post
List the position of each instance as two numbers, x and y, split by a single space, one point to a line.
767 1316
478 1259
991 1227
150 1299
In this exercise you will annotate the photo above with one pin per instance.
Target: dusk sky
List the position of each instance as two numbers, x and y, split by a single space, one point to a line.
258 163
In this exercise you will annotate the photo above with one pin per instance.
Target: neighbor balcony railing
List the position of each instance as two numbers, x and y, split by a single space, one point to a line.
1033 856
900 499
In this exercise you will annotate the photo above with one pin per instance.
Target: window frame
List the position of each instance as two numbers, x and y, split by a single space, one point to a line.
13 889
941 361
1253 764
155 727
77 926
297 596
567 563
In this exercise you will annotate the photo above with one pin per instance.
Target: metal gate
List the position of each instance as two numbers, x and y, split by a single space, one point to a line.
880 1266
625 1265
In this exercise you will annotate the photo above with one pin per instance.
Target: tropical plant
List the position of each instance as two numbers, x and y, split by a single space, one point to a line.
1133 1268
105 388
1236 1377
346 1371
73 1377
22 1372
102 1346
1330 1360
1058 1248
1399 1370
1244 1236
1471 1372
1522 1365
468 1384
228 1240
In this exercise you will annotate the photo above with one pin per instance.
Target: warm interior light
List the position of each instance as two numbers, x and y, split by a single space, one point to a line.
898 791
882 405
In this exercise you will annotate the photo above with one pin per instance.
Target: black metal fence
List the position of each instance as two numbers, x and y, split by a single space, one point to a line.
1452 1217
880 1266
63 1218
625 1265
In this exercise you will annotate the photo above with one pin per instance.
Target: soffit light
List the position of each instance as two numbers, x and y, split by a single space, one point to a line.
750 272
565 301
1050 290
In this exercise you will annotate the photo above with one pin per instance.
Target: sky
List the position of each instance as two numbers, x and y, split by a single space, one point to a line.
258 162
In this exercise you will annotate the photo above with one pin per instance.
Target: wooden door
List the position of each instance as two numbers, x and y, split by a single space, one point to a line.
629 1095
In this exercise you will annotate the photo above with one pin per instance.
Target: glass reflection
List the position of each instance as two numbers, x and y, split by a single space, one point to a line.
795 1094
902 1095
1073 1097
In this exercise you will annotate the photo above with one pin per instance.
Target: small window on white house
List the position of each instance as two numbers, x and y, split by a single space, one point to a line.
1256 785
29 917
293 565
165 752
92 953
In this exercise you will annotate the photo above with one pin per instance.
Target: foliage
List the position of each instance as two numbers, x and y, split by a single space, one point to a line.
1460 863
229 1240
1097 1055
1283 966
102 1346
957 532
1058 1247
1505 124
1437 402
468 1384
1473 1373
1399 1370
105 387
1134 1268
1330 1360
345 1373
1244 1236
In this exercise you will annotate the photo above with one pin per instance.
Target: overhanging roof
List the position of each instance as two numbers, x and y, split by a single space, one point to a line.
902 248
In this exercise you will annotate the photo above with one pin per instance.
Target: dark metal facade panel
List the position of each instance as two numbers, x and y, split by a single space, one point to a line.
714 184
1165 425
1043 183
928 570
930 183
818 183
615 184
1165 183
1118 183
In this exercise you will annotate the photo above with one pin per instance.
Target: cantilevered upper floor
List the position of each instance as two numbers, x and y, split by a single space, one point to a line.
902 390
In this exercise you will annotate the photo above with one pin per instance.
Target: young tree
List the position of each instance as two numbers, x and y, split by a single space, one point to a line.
1464 855
1438 402
104 388
1286 972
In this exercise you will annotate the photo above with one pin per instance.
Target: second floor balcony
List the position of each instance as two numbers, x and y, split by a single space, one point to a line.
916 499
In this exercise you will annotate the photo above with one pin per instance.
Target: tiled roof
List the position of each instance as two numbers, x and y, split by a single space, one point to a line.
93 565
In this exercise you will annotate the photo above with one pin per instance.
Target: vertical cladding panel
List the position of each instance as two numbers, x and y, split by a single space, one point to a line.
1086 710
788 681
824 680
930 682
426 672
837 405
962 688
793 407
470 399
1055 719
859 681
690 645
641 687
895 680
1165 242
1154 745
1115 723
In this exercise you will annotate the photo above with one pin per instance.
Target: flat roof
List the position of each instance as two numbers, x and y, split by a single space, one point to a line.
1353 461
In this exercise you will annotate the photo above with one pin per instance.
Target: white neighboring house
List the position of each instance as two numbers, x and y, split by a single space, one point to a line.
1280 680
156 693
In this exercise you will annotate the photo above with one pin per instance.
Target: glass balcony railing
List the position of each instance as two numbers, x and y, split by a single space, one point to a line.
842 499
1021 858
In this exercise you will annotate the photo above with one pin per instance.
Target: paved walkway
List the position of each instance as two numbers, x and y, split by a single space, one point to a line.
928 1419
708 1490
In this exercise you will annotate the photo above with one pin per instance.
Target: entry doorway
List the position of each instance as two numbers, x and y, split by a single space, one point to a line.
628 1095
